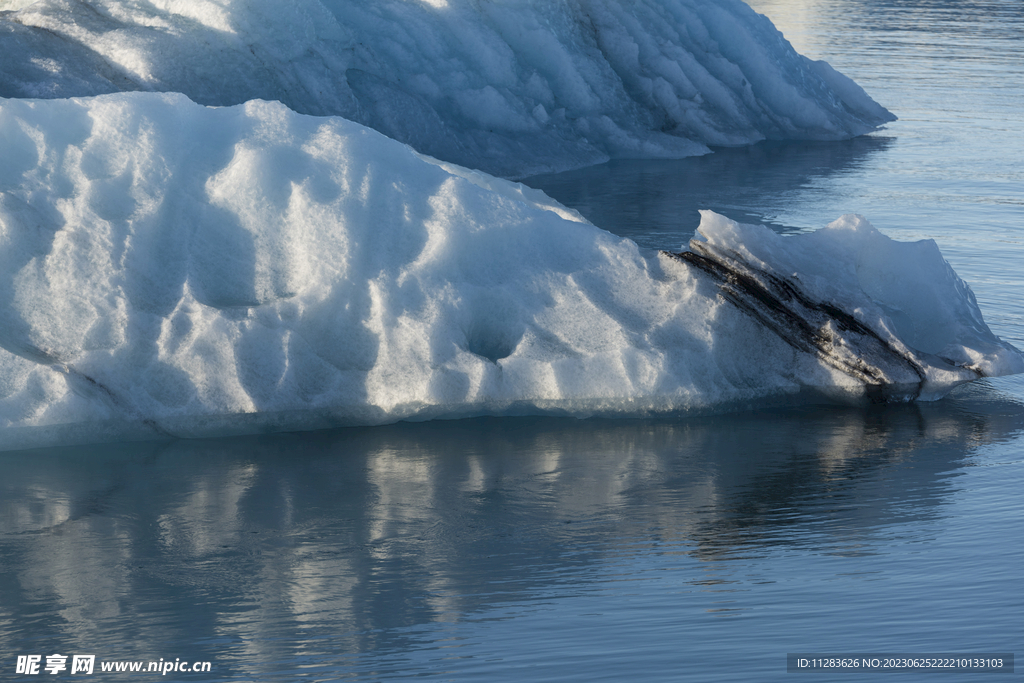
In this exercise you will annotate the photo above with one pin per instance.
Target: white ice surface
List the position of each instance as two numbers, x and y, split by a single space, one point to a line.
513 87
172 268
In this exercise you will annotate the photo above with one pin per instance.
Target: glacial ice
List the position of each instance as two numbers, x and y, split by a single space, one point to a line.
514 88
170 268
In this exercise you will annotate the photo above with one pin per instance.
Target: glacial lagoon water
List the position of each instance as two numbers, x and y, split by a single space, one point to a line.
543 549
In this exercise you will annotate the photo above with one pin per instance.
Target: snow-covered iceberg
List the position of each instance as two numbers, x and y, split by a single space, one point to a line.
170 268
512 87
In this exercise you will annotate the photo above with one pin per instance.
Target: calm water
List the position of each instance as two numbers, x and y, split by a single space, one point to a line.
545 549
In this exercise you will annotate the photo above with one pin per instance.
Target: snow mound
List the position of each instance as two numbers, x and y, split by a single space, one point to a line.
513 87
169 268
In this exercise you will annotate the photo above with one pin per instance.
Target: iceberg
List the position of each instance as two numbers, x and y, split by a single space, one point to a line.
172 269
514 88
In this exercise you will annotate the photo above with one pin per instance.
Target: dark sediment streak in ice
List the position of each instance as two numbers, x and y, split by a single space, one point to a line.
820 328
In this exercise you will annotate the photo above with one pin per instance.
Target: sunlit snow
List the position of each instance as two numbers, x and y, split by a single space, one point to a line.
170 268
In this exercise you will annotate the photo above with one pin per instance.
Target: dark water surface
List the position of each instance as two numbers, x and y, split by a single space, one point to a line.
545 549
537 549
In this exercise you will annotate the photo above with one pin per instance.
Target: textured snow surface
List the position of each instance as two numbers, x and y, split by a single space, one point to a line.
512 87
169 268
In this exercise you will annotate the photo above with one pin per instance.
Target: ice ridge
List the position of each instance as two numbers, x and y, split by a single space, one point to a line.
173 269
512 88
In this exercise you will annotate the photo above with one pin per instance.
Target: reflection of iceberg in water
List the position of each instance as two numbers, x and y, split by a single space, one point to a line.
268 550
171 269
656 202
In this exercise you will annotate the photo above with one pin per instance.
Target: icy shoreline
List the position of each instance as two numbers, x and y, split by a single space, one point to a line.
173 269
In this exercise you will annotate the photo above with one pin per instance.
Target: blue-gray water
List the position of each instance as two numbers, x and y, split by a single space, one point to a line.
544 549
